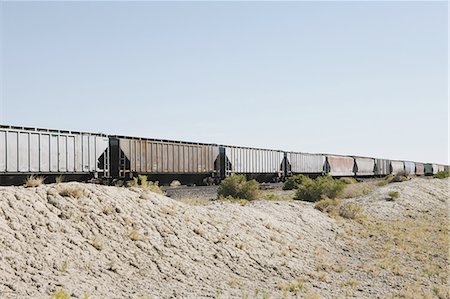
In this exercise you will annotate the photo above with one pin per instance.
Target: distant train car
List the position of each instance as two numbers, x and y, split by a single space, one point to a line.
397 166
382 167
50 153
431 169
420 168
441 168
305 163
364 166
261 164
163 160
410 167
339 166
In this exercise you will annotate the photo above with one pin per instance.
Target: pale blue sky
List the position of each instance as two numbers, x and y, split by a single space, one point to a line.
362 78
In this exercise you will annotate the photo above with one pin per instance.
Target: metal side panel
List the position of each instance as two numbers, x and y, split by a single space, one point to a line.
53 153
435 168
34 152
410 167
340 165
365 166
382 166
397 166
23 152
70 143
12 152
44 153
420 169
306 163
102 147
3 152
62 153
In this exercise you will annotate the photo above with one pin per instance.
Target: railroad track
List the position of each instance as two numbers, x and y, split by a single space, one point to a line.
209 192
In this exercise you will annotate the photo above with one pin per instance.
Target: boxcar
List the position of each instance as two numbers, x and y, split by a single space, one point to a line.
441 168
261 164
420 168
410 167
163 160
382 167
25 151
339 165
397 166
364 166
305 163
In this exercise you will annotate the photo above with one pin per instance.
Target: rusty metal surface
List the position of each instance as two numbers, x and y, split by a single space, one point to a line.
410 167
397 166
161 156
30 150
306 163
420 169
364 166
340 165
243 160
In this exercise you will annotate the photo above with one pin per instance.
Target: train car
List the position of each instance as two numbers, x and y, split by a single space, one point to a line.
420 168
339 166
382 167
364 166
163 160
431 169
397 166
261 164
410 167
441 168
305 163
50 153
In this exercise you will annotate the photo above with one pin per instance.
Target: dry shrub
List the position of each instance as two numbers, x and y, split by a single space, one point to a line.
34 181
142 182
134 235
314 190
72 191
61 294
328 205
442 174
348 181
350 211
237 187
294 182
394 195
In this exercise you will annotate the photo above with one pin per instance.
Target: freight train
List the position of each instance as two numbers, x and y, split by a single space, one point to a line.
83 155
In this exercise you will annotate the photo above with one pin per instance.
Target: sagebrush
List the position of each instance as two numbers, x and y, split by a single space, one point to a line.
314 190
294 182
237 186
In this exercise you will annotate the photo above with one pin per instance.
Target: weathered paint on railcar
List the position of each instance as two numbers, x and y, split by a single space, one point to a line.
243 160
306 163
364 166
420 168
42 151
410 167
397 166
151 156
340 165
382 167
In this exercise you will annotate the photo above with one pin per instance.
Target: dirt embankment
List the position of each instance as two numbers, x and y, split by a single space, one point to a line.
114 242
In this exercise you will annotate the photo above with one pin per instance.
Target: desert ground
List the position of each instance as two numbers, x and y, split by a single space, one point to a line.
93 241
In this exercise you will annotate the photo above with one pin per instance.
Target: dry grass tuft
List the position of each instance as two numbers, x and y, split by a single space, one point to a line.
134 235
72 191
350 211
34 181
97 243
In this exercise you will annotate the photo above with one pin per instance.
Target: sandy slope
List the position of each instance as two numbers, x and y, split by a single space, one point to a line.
128 243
